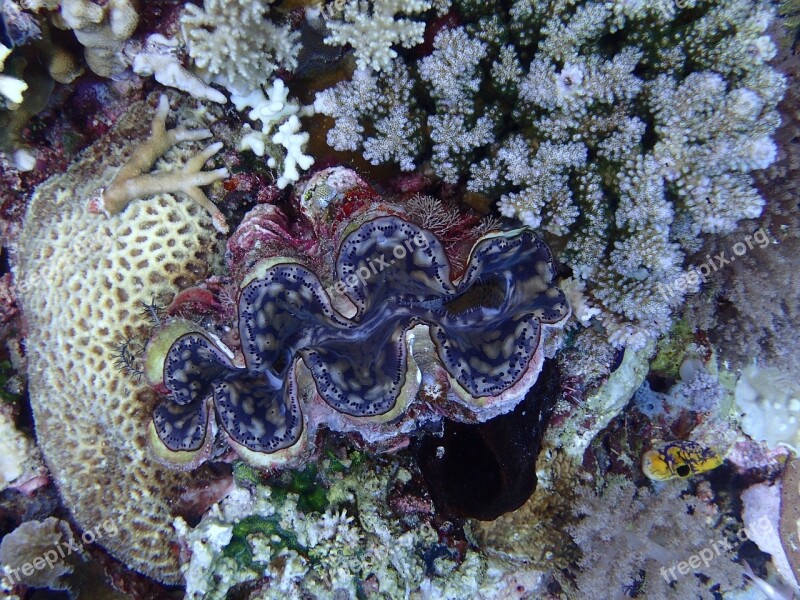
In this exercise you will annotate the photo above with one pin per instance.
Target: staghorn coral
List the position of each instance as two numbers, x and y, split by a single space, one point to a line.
371 29
82 282
576 116
350 359
236 45
131 183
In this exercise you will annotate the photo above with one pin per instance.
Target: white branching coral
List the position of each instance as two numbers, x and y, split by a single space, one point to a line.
236 45
386 99
11 88
284 148
629 151
371 29
159 57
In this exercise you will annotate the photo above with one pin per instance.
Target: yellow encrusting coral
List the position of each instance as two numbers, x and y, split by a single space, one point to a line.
82 282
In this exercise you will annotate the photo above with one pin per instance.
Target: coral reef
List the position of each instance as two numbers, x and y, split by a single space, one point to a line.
508 309
361 544
371 29
588 139
82 282
235 45
11 88
645 549
102 29
353 356
159 57
131 183
29 554
762 278
276 110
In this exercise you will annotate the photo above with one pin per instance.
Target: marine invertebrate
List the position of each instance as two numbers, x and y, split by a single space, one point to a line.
645 546
131 182
678 458
102 29
768 400
82 283
36 543
371 29
591 142
276 111
236 45
159 57
17 452
358 542
357 365
10 87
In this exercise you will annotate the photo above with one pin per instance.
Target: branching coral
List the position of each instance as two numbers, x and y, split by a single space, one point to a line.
285 146
159 57
624 130
643 545
363 368
236 45
371 29
131 183
10 87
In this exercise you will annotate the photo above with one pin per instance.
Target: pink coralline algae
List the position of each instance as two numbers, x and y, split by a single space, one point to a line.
351 348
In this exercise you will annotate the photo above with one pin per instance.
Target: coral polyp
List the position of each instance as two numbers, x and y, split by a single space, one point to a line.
352 362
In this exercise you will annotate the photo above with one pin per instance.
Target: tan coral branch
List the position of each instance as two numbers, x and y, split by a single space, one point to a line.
132 181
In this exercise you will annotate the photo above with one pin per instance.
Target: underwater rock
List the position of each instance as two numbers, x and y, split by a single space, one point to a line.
83 281
600 404
488 469
35 543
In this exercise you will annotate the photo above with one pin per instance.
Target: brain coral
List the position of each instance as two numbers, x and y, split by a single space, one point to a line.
82 280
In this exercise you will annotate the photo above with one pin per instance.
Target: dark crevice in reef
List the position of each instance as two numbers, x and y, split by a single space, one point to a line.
485 470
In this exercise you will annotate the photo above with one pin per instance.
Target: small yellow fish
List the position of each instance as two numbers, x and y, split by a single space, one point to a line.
678 459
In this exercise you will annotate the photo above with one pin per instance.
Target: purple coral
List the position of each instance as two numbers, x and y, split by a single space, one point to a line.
485 333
